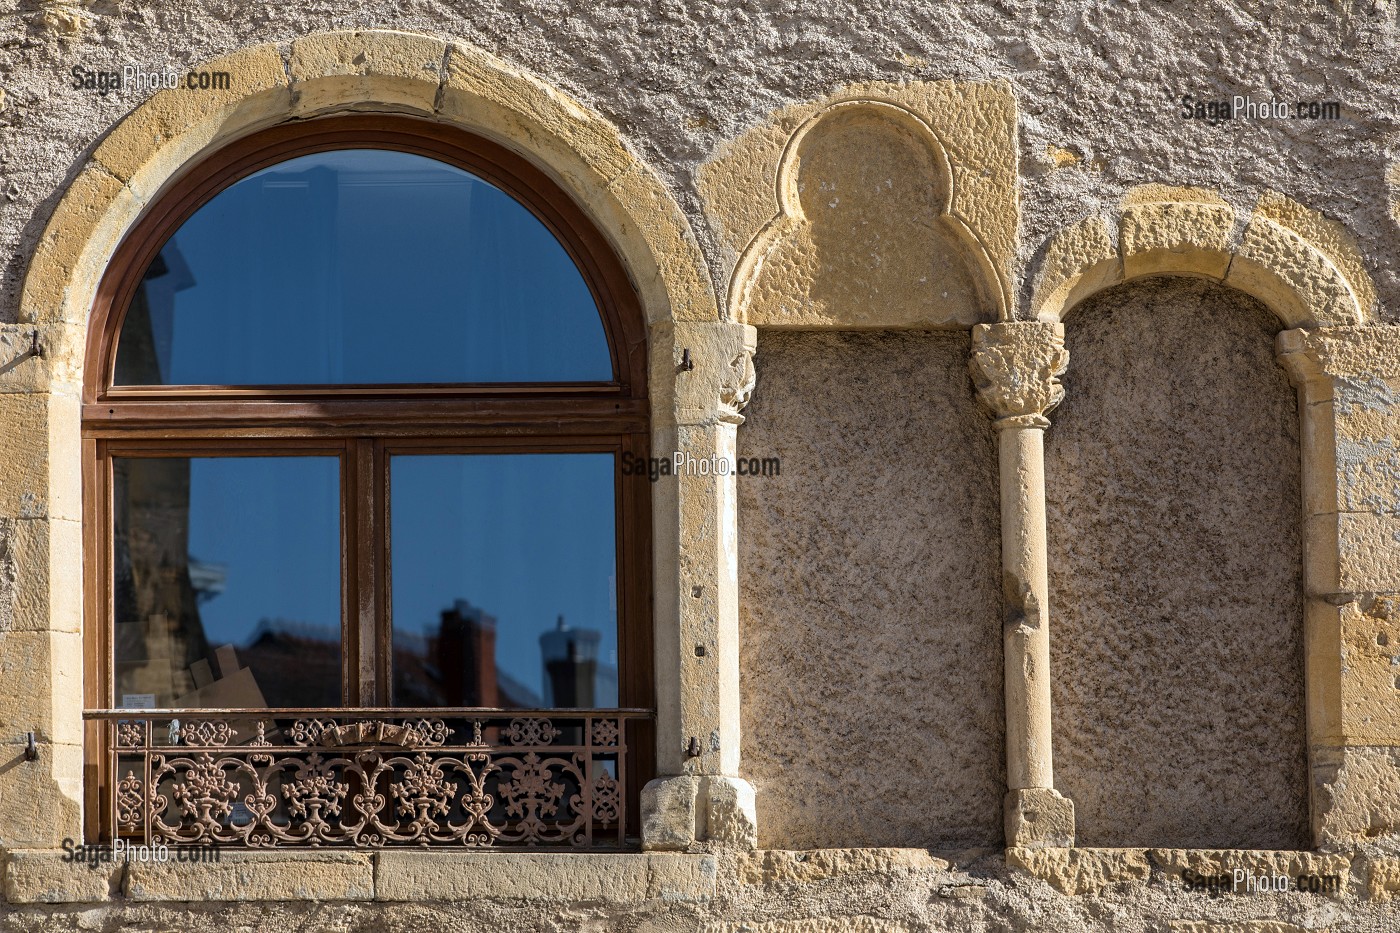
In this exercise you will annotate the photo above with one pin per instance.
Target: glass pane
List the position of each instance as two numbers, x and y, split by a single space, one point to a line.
504 580
227 581
361 267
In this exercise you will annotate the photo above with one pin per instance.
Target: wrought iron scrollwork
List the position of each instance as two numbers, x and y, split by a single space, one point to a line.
358 778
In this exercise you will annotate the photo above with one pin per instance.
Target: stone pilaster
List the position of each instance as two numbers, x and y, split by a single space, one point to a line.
1348 381
1016 367
699 795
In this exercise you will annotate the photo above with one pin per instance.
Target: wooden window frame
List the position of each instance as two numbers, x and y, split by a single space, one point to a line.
363 425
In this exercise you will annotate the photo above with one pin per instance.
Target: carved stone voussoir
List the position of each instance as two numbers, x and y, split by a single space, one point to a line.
1016 367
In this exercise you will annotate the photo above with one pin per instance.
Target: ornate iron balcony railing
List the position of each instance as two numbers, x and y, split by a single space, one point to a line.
367 777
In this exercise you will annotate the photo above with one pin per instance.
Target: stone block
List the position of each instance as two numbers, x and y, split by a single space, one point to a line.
41 685
42 876
1080 871
1281 269
1038 818
521 111
778 866
563 876
669 819
1241 926
175 125
848 924
75 246
44 579
1079 261
375 68
730 812
1180 238
673 283
255 876
39 800
1384 880
1356 795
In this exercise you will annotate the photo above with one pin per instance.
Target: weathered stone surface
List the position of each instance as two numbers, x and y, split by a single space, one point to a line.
176 124
1356 794
1081 871
1038 817
668 812
1174 863
870 595
1081 260
1181 237
388 68
1172 473
567 876
1241 926
1299 283
41 876
776 866
855 924
844 243
255 876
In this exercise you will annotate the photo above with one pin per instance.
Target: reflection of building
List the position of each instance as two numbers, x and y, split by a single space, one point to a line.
573 676
457 666
295 663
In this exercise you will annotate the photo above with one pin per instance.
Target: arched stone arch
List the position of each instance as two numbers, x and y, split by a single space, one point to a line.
1298 263
1307 271
693 409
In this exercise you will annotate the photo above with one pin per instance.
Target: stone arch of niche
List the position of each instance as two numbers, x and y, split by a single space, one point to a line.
944 245
798 248
1307 270
958 136
693 408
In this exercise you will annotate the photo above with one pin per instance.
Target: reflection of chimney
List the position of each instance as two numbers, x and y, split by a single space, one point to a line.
570 666
466 650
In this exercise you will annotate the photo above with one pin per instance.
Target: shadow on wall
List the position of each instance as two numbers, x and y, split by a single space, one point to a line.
1174 502
870 599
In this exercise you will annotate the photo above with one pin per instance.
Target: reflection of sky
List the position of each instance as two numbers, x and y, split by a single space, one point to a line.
524 537
370 266
274 523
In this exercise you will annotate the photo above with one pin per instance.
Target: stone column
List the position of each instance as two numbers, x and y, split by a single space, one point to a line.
699 796
1016 366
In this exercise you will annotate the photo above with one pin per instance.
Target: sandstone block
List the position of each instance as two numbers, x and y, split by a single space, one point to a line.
255 876
41 876
1079 871
379 67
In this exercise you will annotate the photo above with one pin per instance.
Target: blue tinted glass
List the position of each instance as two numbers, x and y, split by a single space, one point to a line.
226 581
504 580
362 267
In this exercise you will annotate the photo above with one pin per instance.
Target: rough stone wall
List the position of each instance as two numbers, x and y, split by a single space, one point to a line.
1098 86
1173 497
870 595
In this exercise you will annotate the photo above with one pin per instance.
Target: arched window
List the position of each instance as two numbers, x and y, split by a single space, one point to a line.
358 392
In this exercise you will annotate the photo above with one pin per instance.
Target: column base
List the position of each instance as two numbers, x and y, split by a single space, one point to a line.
669 813
730 812
1038 818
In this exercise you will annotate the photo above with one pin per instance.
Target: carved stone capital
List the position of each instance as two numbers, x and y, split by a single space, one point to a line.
1016 367
714 371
